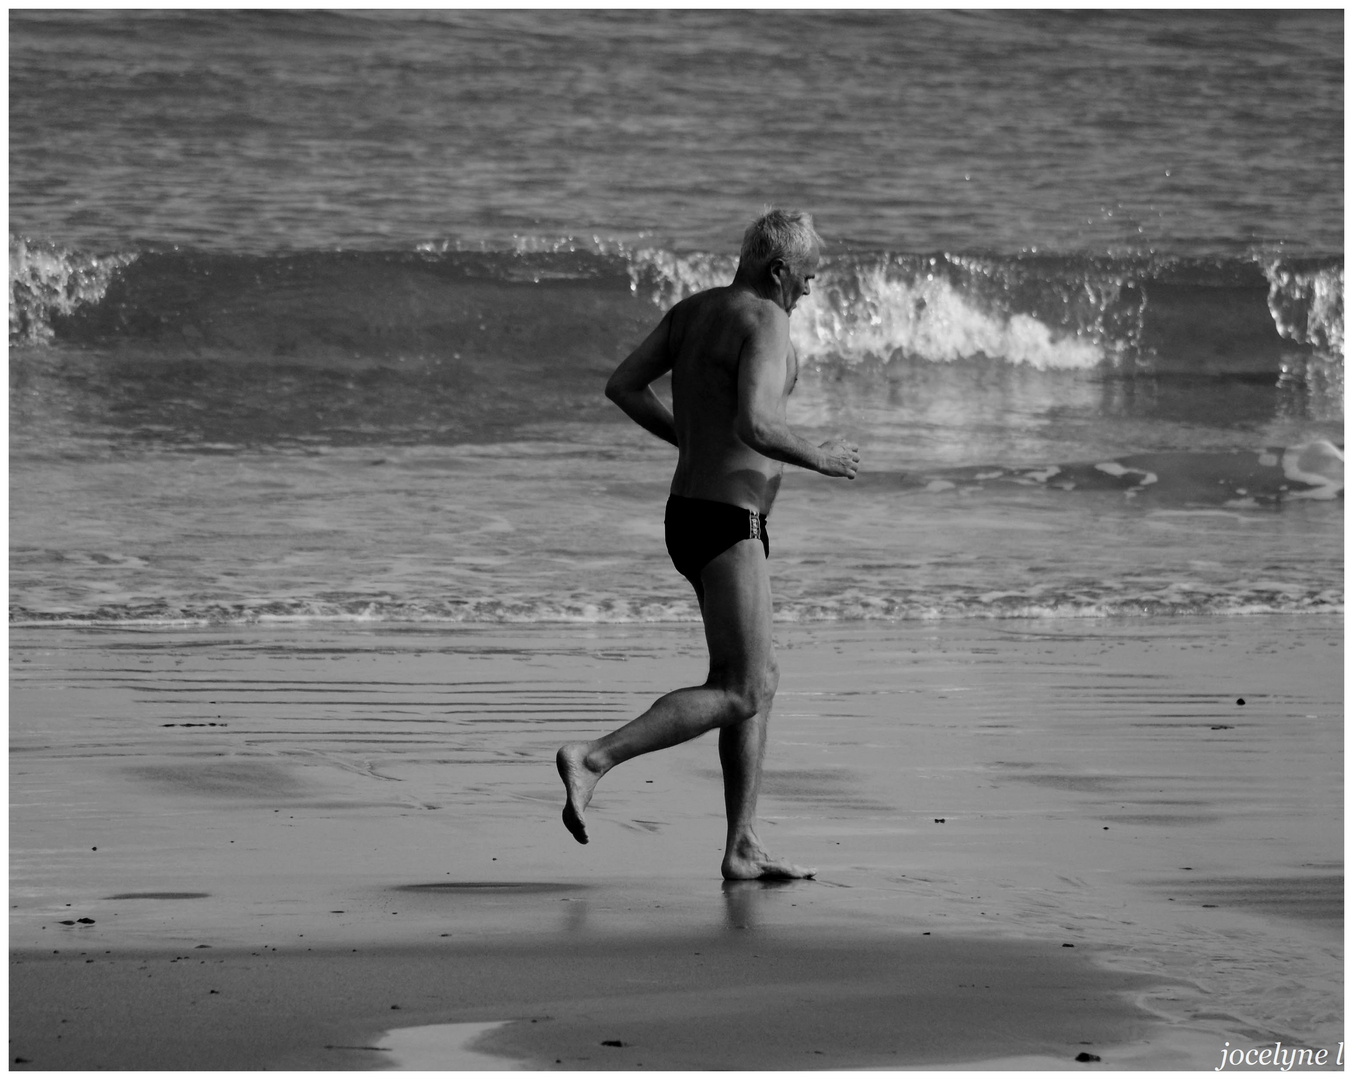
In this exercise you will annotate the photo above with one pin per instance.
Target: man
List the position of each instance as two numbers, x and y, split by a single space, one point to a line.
732 371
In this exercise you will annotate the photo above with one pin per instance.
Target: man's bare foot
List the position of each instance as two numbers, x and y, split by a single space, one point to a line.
748 860
579 782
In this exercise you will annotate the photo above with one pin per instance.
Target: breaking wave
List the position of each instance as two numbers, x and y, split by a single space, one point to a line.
566 299
47 283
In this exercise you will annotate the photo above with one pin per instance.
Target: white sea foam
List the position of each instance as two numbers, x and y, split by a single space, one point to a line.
1318 463
882 310
1114 468
1104 600
1308 305
928 317
47 281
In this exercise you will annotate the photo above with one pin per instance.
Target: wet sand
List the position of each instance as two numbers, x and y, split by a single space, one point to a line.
1035 840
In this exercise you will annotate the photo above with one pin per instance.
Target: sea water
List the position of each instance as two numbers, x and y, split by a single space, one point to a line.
310 312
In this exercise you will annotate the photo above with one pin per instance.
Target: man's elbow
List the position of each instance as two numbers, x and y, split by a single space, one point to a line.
756 434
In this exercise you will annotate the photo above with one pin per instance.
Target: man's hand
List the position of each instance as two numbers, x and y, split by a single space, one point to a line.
841 458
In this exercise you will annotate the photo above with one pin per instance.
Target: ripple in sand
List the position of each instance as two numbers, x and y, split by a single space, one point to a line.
158 896
1313 898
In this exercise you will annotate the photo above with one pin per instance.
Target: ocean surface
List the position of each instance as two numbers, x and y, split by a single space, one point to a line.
310 312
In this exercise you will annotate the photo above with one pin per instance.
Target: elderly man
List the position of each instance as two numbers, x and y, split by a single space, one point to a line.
733 369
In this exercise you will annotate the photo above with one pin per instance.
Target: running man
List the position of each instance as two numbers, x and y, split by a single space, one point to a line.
733 369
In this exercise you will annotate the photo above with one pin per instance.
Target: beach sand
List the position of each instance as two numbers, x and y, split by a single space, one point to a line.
311 846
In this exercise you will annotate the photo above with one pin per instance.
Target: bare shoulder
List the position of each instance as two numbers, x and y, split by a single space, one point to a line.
766 327
735 309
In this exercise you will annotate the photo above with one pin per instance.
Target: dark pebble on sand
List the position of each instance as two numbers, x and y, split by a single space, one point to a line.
611 1042
1067 945
939 821
87 922
1240 701
1083 1056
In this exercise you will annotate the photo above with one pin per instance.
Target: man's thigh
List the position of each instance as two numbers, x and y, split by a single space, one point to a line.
737 610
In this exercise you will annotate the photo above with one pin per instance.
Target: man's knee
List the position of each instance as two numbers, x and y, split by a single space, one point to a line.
753 693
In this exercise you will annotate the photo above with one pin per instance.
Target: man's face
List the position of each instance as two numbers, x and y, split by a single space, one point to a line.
795 278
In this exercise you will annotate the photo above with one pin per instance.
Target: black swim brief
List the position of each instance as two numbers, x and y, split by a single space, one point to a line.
700 530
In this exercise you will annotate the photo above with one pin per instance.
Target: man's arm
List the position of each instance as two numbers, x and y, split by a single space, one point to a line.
762 374
629 385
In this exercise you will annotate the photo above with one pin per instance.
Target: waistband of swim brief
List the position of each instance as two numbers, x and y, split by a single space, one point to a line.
715 502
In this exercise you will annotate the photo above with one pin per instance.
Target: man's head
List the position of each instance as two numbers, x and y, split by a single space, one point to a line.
781 249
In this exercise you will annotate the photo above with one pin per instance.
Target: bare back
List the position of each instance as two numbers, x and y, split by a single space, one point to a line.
732 368
710 334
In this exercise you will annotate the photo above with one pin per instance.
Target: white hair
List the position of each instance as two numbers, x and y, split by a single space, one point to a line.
779 234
